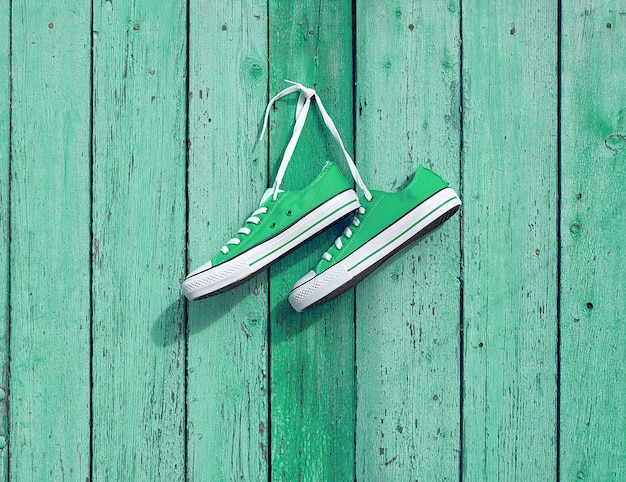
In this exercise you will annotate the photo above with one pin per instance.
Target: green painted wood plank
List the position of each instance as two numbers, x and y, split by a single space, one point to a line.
407 319
312 354
50 241
4 233
509 240
227 372
139 240
593 257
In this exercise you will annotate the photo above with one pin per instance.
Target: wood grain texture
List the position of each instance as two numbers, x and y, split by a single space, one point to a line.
5 87
240 386
509 240
593 256
50 241
407 319
139 240
312 354
228 347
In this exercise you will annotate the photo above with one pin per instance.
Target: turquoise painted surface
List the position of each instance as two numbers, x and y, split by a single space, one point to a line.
493 349
227 375
49 331
593 304
407 319
138 241
509 241
4 234
311 354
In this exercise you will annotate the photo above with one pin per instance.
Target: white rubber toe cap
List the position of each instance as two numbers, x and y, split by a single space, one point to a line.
307 277
208 279
311 287
202 268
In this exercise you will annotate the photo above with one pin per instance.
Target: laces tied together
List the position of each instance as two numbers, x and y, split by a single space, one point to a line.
302 110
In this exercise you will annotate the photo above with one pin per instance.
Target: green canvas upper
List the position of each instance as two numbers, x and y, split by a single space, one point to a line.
384 209
287 209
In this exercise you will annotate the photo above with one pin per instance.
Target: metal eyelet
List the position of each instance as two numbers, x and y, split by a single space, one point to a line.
289 213
273 225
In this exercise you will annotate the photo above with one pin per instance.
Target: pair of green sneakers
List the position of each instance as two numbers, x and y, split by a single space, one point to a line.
384 223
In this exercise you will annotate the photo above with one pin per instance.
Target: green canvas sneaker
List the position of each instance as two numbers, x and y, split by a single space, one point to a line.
385 224
284 219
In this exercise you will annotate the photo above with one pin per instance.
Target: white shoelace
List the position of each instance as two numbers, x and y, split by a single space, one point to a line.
347 233
302 110
254 219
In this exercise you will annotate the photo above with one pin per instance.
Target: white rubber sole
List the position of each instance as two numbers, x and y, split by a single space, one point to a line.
207 280
314 289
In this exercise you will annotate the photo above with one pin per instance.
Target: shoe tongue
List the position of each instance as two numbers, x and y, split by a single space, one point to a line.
268 194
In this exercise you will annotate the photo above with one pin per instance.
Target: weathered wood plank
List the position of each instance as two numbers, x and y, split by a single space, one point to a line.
50 247
227 378
407 318
312 354
139 240
5 86
509 240
593 256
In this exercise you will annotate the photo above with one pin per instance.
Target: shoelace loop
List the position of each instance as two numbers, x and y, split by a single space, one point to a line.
302 110
253 219
346 232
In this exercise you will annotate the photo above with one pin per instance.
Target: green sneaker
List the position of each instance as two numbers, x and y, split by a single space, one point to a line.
283 220
383 226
